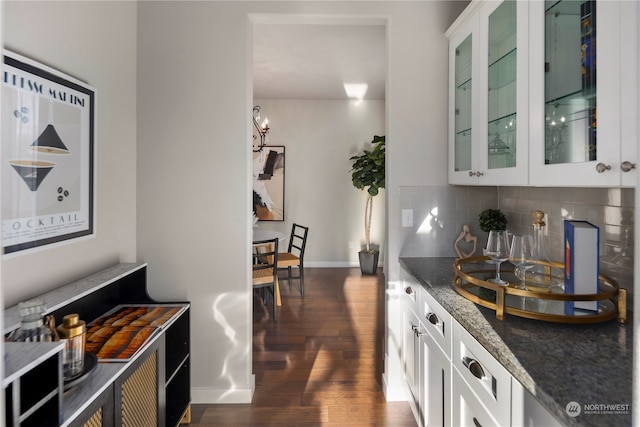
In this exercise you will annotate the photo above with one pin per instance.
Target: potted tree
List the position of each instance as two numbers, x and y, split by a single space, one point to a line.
368 173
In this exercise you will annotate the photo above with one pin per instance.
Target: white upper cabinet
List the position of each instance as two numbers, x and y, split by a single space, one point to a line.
544 93
488 108
583 93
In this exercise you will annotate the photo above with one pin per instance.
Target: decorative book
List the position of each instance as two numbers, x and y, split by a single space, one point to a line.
581 263
120 333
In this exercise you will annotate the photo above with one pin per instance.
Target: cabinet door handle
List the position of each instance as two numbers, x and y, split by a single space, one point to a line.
627 166
474 367
601 167
478 173
408 290
416 330
476 422
432 318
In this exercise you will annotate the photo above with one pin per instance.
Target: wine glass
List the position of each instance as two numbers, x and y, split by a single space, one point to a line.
498 251
523 256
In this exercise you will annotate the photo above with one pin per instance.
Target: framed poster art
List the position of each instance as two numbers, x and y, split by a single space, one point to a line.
268 183
47 156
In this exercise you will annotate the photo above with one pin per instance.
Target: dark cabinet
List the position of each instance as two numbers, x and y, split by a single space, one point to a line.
152 389
33 384
177 369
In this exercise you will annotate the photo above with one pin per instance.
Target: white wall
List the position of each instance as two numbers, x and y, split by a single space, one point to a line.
319 138
185 205
194 172
81 39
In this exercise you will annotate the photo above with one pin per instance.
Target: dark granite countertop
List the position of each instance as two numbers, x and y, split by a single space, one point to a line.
556 363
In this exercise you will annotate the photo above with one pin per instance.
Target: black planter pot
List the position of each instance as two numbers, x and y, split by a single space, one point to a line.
368 261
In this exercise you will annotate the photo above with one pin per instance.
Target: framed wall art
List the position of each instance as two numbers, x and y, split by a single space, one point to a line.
268 183
47 156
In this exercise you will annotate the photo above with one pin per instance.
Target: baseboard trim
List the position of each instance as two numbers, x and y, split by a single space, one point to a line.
337 264
217 396
393 394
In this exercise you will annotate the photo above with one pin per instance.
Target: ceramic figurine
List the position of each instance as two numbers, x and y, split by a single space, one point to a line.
468 238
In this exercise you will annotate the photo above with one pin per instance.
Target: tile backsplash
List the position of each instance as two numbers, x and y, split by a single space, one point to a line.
440 212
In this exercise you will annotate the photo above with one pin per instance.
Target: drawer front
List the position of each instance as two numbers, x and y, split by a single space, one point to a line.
489 380
467 408
409 292
437 322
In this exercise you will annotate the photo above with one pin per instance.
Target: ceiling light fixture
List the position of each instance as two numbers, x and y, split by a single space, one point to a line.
356 90
263 129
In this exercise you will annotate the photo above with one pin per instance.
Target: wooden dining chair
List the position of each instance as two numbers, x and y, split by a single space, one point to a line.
265 272
294 257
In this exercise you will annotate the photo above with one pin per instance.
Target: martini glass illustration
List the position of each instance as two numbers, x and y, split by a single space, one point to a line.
32 172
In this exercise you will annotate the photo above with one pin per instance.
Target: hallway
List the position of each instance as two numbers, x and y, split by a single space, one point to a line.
321 364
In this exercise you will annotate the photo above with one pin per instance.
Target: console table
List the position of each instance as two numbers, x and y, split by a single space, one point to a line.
150 389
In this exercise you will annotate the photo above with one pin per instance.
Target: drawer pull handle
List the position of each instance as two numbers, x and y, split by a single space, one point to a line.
474 367
476 422
432 318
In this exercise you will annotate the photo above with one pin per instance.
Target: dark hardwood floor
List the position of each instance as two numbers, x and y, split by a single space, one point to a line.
321 363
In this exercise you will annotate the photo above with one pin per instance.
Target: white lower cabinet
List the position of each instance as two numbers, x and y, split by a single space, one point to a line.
489 381
533 413
435 370
468 411
452 380
427 362
411 352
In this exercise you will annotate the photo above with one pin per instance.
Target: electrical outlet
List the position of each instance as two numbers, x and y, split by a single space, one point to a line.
407 217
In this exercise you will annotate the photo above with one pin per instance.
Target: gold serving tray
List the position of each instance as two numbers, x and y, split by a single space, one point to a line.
544 297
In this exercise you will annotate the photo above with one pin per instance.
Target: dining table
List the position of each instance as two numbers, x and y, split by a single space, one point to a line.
259 235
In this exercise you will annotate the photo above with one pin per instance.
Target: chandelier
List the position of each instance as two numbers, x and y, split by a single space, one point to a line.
263 129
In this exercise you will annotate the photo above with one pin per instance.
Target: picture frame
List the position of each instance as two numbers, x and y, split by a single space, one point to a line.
268 183
47 152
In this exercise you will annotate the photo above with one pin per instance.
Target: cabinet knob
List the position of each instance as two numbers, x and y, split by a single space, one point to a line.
601 167
627 166
432 318
474 367
478 173
408 290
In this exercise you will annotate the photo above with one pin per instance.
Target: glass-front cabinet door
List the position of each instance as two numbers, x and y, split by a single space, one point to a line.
577 91
463 103
501 108
489 113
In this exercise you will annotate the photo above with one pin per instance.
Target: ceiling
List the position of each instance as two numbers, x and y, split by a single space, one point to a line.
315 60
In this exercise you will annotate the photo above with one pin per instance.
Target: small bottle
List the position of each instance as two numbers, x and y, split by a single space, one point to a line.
538 235
73 331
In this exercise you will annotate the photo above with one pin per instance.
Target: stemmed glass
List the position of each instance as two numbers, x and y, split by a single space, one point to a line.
498 251
523 256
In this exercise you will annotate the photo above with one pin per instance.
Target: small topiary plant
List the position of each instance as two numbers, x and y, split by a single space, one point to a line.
492 219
